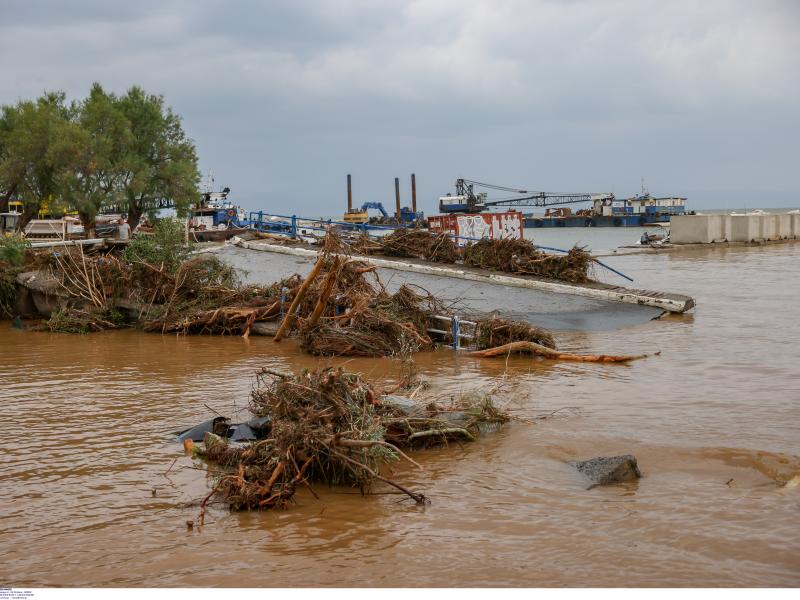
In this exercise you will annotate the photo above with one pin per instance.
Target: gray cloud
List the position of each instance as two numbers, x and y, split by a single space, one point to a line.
284 98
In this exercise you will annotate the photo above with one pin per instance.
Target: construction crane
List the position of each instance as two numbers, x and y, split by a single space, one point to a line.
467 201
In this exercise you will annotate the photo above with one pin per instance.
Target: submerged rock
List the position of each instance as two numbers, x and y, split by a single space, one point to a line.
606 470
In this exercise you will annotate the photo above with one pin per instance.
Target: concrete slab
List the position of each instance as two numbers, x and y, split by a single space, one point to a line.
553 311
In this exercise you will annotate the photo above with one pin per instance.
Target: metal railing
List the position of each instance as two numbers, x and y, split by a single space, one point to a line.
456 324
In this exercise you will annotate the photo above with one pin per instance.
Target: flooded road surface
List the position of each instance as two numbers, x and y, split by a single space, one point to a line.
93 488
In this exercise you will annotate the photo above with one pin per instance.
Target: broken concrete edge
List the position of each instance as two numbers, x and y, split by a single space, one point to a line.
617 294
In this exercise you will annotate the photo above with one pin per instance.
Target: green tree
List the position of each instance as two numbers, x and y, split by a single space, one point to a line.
159 162
90 151
128 153
27 168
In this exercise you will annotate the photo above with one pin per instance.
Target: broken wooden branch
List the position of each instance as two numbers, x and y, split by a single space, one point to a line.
288 320
322 302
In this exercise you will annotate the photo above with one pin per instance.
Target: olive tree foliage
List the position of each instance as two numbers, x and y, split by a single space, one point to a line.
28 167
160 162
127 153
88 152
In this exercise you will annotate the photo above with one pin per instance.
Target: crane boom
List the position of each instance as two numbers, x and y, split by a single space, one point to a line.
466 200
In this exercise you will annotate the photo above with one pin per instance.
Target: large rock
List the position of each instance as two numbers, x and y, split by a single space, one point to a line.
606 470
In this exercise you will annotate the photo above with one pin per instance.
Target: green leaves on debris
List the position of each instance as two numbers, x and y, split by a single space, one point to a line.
166 246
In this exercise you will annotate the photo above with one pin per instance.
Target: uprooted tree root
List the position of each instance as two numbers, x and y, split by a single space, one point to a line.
331 426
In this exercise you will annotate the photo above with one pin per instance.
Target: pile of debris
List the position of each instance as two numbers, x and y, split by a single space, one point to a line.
346 315
333 427
340 309
517 256
414 243
340 313
201 295
521 256
494 332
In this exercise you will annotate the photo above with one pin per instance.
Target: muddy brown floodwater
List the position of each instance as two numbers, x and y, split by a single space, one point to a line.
89 494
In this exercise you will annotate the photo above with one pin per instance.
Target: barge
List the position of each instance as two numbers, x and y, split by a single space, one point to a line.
605 209
638 211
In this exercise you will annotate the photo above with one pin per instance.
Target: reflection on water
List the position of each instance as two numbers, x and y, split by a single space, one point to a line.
90 494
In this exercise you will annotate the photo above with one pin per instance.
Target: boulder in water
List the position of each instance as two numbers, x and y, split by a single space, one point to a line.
607 470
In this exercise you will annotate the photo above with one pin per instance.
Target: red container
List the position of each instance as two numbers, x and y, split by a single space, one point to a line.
466 228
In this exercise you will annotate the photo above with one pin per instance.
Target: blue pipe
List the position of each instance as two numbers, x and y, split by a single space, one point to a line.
602 264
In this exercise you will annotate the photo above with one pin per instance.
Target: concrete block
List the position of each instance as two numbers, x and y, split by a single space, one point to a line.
769 227
784 226
716 228
795 225
745 228
690 229
725 228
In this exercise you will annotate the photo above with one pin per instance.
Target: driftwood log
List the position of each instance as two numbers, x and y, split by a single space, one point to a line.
539 350
330 281
288 320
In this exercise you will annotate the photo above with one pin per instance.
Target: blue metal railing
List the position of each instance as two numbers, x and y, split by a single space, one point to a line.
290 225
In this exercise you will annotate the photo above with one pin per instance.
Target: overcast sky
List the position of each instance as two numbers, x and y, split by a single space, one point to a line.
284 98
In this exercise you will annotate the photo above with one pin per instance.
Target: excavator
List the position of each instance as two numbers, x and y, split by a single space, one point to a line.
362 216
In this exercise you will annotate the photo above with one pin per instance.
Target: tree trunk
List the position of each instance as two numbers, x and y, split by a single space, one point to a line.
28 213
539 350
134 215
88 224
